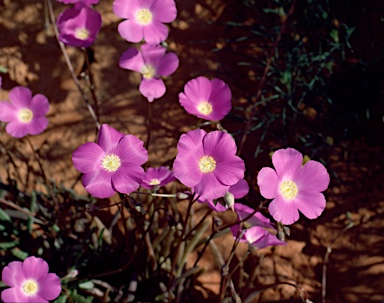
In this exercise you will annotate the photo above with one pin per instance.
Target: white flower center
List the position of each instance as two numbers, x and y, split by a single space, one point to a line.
82 34
207 164
30 287
288 189
154 181
144 16
111 163
204 107
148 71
25 115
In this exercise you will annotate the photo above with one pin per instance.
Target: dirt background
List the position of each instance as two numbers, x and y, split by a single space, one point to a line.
355 271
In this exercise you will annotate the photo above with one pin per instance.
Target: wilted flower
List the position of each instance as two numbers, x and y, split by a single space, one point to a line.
30 282
293 187
79 25
86 2
113 164
156 177
25 114
151 62
258 231
206 99
207 163
145 19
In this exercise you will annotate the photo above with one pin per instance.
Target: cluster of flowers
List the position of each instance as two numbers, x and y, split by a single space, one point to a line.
206 162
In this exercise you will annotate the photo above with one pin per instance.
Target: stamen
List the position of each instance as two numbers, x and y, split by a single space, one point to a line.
148 71
25 115
82 34
144 16
207 164
154 182
111 163
288 189
204 107
30 287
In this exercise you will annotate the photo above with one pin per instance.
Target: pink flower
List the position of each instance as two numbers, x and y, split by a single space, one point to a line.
145 19
151 62
30 282
112 164
293 187
238 191
79 25
206 99
259 232
156 177
86 2
207 163
25 114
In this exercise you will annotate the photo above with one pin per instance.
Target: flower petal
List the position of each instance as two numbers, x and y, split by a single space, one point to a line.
20 96
198 90
8 112
268 182
37 125
155 32
131 150
313 176
127 178
39 105
87 158
125 8
167 64
190 151
152 88
283 211
49 286
240 189
210 187
311 204
15 294
132 59
152 54
12 274
131 31
109 138
17 129
164 10
99 184
287 163
34 268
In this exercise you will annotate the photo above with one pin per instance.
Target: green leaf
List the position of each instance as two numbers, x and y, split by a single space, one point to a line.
87 285
4 216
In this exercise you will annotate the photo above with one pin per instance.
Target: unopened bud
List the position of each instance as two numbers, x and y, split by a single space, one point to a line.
182 196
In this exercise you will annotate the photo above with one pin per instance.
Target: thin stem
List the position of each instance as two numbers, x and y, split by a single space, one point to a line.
70 66
148 123
326 259
91 84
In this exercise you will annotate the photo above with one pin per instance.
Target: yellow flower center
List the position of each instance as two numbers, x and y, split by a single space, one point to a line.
25 115
111 163
148 71
207 164
154 182
204 107
288 189
30 287
144 16
82 33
